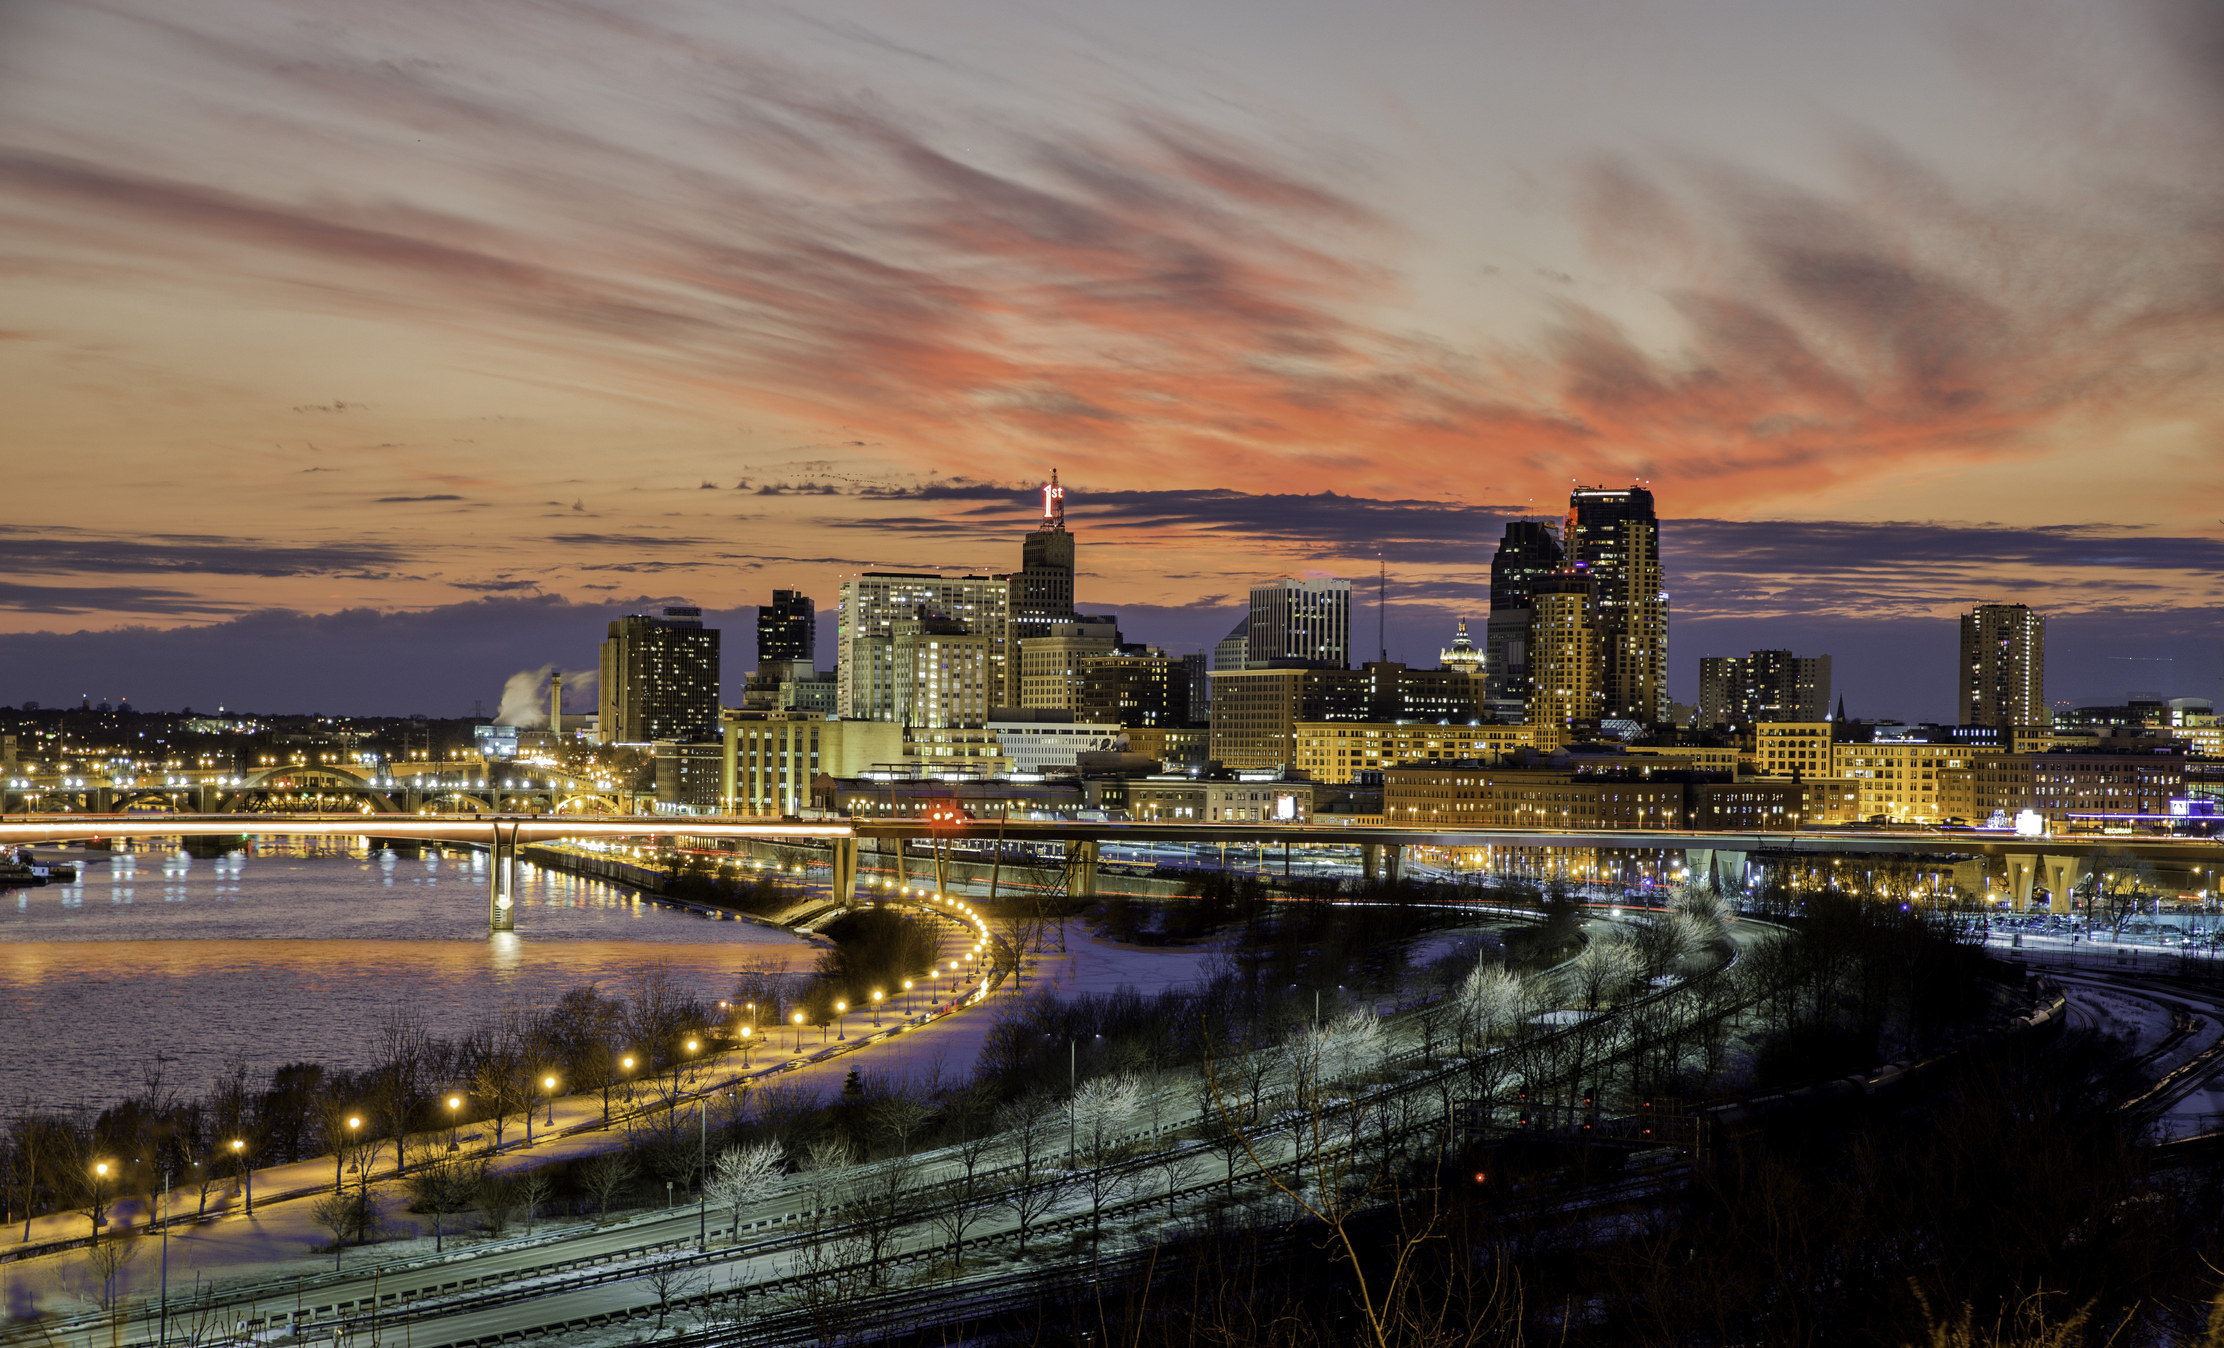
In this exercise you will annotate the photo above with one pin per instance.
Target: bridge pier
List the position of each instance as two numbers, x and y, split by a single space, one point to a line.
2062 875
845 871
502 881
1081 869
1381 861
2022 870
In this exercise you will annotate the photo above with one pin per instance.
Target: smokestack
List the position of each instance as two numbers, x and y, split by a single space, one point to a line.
556 702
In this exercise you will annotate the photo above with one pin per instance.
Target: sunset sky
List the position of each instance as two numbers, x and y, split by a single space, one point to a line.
353 356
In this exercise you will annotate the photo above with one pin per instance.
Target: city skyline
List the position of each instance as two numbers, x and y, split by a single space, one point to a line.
1264 317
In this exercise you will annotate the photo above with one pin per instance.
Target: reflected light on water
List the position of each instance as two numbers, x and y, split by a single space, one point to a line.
297 953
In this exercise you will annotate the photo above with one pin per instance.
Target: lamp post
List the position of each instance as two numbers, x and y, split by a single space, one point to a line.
799 1031
907 996
702 1174
100 1198
626 1065
549 1084
339 1154
162 1334
455 1103
244 1171
745 1032
876 1008
839 1008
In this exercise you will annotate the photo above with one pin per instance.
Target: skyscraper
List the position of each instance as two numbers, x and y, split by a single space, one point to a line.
1566 687
1613 536
1764 686
2003 666
1042 588
1526 553
1299 624
787 628
659 679
875 602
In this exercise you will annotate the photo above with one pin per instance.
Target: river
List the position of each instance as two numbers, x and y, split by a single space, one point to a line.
290 951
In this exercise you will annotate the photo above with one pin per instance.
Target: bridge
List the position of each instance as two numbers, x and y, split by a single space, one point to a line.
406 788
2054 863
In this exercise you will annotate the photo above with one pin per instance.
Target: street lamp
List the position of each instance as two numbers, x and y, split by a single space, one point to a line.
549 1083
240 1168
745 1032
455 1103
876 1008
338 1184
907 996
100 1198
799 1031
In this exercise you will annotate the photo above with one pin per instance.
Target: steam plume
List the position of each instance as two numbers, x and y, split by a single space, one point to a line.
525 694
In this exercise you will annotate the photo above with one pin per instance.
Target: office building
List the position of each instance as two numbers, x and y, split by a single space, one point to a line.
872 605
1051 660
769 758
943 674
1795 749
2003 666
1528 552
1342 751
1040 741
1740 690
1468 796
787 629
659 679
1255 712
1565 684
1230 652
1042 588
1613 537
687 776
1134 687
1299 624
2089 788
1177 748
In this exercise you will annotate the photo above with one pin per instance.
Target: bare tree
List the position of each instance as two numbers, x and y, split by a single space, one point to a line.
670 1282
498 1197
1033 1190
606 1176
883 1207
742 1175
965 1197
1096 1117
442 1186
398 1077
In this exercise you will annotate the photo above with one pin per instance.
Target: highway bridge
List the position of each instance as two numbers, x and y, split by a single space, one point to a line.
2053 863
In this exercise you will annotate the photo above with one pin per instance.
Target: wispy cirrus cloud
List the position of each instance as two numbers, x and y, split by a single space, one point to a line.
1138 290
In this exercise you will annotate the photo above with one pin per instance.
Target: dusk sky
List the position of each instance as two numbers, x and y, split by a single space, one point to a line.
353 356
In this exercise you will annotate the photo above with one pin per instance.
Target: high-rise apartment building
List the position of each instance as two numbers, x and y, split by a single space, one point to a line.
1613 537
787 628
1042 588
2003 666
1742 690
1566 687
659 679
872 605
1299 624
1528 552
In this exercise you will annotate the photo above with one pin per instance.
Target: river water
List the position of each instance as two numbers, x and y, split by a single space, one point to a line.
289 951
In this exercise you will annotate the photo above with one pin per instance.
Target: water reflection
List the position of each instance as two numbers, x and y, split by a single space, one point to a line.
283 953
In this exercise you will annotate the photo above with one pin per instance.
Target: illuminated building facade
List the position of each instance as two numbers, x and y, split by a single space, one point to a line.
2003 666
659 679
